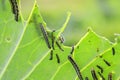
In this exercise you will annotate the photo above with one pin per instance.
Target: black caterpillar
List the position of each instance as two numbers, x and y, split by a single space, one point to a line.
15 9
94 74
45 35
75 67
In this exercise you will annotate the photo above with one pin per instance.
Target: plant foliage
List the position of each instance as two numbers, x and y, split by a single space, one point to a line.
24 54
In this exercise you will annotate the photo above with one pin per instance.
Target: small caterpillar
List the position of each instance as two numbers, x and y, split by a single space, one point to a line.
45 35
113 50
75 67
107 62
59 46
51 55
61 39
94 74
100 68
110 76
15 9
58 59
72 50
53 39
101 76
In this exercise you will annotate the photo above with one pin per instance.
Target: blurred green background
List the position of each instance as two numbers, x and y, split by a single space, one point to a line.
102 15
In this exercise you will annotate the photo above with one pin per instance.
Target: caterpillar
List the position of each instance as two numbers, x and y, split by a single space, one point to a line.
58 59
113 50
94 74
75 67
107 63
99 67
53 39
110 76
45 35
101 76
59 46
15 9
72 50
51 55
61 39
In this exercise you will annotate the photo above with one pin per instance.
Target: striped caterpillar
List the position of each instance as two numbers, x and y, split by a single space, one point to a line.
75 67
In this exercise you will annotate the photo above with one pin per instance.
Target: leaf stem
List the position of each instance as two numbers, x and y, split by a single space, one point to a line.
65 24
